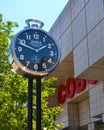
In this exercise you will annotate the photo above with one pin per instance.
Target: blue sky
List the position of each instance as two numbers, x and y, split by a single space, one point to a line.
20 10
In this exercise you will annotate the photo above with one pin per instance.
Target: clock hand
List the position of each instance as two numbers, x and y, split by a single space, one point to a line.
41 47
27 46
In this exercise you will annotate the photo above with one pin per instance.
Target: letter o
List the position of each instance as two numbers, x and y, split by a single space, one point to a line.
70 88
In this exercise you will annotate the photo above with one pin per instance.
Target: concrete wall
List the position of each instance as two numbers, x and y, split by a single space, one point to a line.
79 31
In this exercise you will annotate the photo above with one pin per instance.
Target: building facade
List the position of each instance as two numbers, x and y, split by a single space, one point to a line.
79 32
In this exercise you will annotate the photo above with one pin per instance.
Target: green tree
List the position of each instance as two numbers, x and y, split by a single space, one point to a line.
13 91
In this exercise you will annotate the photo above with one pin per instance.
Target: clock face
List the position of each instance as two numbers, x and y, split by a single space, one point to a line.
34 51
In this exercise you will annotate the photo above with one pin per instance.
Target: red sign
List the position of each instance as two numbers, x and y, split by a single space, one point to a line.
72 87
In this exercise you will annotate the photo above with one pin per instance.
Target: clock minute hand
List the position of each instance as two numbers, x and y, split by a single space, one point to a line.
27 46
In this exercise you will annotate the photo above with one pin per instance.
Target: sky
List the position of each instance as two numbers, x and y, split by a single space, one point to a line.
19 10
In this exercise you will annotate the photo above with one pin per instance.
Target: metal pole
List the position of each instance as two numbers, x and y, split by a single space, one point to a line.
38 103
30 89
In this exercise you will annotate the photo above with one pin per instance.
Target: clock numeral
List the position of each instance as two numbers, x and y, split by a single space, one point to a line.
22 41
28 37
21 57
44 65
49 45
19 49
51 53
50 60
36 36
27 63
44 39
36 66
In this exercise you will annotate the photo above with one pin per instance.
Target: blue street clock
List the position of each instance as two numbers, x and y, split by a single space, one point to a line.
33 51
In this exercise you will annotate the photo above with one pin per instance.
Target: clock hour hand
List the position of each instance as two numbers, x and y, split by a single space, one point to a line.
41 47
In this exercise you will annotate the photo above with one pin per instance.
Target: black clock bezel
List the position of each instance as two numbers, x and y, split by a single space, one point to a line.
18 66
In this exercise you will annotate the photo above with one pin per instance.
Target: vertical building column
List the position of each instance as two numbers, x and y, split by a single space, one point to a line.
63 116
91 126
73 114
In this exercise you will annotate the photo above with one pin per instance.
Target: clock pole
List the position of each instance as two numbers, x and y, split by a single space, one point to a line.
38 103
30 104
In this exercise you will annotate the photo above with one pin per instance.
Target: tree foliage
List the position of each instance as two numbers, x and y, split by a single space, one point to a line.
13 91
